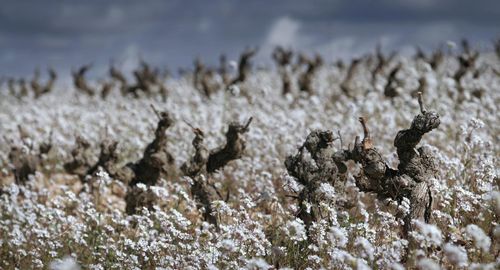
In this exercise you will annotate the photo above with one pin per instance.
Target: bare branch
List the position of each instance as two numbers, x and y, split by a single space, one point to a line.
367 140
155 111
341 141
248 123
421 103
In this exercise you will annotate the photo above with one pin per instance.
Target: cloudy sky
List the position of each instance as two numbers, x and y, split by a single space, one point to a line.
65 34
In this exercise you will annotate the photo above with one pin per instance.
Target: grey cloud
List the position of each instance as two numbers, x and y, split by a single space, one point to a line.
68 33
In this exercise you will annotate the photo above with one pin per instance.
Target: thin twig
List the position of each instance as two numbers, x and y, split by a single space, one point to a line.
421 102
155 111
187 123
248 123
341 141
367 140
216 190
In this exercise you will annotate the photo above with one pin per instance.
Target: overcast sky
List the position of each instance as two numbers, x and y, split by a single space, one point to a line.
65 34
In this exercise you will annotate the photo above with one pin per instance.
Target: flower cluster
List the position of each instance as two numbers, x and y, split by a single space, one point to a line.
60 221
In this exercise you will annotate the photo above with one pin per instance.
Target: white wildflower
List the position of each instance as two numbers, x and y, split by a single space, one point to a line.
341 258
291 185
483 266
326 191
404 207
496 233
364 248
455 255
296 230
337 236
228 244
160 192
397 266
67 263
495 201
427 264
142 186
314 259
221 207
257 264
234 89
480 239
361 265
475 123
427 234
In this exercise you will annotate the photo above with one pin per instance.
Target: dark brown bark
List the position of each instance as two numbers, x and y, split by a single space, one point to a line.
345 86
416 167
382 62
80 163
25 160
156 159
137 198
391 87
315 163
40 89
305 81
283 60
318 162
207 162
193 169
145 77
233 149
244 66
80 82
197 163
199 69
106 89
200 191
108 161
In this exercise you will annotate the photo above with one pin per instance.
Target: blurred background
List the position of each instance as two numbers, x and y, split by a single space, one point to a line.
66 34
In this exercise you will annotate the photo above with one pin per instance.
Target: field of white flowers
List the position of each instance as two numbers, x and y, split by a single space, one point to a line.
57 221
